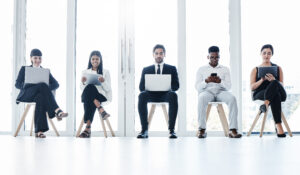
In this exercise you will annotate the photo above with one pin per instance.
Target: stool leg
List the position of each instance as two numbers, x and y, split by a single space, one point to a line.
150 116
254 123
163 106
223 119
263 124
22 119
103 126
286 124
32 122
110 128
80 127
208 111
52 124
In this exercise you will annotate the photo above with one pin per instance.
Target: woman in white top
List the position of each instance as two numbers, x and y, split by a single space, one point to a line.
94 96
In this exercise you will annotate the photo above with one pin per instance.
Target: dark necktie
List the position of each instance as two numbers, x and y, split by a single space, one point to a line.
158 70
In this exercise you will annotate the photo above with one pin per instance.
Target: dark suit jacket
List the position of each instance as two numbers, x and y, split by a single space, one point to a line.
167 69
27 88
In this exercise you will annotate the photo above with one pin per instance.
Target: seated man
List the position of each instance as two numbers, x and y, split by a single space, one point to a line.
212 84
149 96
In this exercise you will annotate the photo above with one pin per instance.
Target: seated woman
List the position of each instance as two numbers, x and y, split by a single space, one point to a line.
269 88
40 94
94 96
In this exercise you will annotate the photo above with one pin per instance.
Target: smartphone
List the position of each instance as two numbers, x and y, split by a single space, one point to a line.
213 74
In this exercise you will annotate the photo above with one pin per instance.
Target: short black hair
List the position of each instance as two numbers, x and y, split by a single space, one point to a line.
267 46
35 52
213 49
159 46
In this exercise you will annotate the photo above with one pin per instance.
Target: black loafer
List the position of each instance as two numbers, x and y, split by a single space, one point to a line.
143 135
172 135
201 134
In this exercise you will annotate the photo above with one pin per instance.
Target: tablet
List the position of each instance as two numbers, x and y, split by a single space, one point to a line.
262 71
92 78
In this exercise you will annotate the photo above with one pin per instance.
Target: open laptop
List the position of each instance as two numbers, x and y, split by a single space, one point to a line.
155 82
35 75
92 78
262 71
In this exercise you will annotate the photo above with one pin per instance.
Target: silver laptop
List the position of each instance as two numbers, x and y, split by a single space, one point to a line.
155 82
35 75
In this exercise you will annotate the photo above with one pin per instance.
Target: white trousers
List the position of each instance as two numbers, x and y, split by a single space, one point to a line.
224 96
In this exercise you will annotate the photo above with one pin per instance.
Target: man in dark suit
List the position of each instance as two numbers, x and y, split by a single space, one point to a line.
147 96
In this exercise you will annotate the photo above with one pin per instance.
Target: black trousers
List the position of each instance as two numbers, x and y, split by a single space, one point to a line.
276 94
45 102
146 96
89 94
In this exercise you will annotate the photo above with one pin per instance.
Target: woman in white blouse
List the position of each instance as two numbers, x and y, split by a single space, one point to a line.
94 96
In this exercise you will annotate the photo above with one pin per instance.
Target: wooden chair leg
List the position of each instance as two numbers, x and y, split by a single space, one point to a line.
150 116
163 106
32 122
263 124
286 124
22 119
254 123
208 111
223 119
110 128
103 126
80 127
52 124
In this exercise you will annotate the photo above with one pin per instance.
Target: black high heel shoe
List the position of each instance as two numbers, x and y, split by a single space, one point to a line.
280 135
263 108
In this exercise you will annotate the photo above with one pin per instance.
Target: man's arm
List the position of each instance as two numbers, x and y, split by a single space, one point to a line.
175 80
142 81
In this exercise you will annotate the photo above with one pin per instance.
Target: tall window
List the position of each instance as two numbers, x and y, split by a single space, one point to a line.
6 18
207 25
276 23
46 30
155 23
97 29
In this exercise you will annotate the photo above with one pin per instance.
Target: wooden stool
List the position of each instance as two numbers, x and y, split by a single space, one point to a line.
103 127
264 121
152 110
28 105
221 113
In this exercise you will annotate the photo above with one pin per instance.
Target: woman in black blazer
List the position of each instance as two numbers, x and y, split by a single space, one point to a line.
40 94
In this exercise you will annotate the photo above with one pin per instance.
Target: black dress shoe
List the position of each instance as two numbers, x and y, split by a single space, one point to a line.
143 135
263 108
280 135
172 135
202 134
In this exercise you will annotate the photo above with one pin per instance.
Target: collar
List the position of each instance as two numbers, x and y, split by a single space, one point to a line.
218 66
161 64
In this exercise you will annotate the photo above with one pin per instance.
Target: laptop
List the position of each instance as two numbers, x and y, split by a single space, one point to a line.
155 82
35 75
92 78
262 71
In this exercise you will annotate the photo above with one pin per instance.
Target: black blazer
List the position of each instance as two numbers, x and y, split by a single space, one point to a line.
53 84
167 69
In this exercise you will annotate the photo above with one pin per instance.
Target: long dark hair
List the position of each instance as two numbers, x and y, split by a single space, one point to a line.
100 67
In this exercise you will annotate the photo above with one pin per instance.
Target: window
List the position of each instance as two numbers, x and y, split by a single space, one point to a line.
204 29
276 23
46 30
6 18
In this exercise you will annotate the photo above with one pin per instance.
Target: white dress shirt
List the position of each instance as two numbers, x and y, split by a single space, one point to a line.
215 88
161 67
104 88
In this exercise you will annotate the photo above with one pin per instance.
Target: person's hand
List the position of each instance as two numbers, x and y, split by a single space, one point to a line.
209 79
269 77
217 79
83 79
101 79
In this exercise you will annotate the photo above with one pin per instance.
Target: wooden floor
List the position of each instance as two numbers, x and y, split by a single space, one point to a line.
155 156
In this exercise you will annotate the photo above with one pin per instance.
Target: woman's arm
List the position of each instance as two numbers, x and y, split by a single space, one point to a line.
253 83
280 75
53 84
106 84
20 80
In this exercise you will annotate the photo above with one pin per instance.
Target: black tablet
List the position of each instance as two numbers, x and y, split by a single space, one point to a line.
262 71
